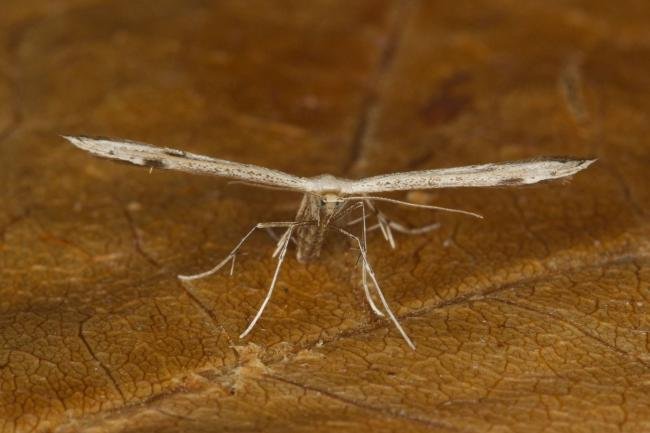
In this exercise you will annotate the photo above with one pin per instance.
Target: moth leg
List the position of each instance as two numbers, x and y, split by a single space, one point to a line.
282 250
366 264
413 230
366 289
233 253
282 241
364 277
383 223
356 221
346 212
364 273
273 235
386 225
407 230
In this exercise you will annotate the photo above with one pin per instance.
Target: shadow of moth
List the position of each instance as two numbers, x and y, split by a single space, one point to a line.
328 202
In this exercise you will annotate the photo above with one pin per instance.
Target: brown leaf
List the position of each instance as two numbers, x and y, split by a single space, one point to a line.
535 319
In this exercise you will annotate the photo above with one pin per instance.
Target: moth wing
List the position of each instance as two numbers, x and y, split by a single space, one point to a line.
498 174
146 155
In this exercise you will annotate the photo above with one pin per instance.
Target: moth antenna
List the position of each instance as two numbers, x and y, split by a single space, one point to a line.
422 206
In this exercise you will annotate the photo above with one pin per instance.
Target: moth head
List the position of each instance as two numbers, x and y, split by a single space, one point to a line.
331 200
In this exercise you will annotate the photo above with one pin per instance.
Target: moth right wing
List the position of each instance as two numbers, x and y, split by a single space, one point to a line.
499 174
161 157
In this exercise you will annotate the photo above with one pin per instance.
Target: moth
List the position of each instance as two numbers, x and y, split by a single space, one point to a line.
329 203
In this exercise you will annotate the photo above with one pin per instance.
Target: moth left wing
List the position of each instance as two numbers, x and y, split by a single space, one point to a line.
500 174
162 157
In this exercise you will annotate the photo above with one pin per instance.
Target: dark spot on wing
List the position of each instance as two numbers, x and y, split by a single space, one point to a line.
155 163
173 152
511 181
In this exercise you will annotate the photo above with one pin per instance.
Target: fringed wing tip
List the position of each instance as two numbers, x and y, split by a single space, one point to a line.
70 138
587 162
77 141
582 164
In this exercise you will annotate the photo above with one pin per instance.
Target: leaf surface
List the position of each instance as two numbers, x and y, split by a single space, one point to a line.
533 319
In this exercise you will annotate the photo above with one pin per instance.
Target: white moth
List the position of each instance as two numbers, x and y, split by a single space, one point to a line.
329 202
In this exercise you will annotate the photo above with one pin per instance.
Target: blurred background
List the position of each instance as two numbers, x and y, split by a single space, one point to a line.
532 320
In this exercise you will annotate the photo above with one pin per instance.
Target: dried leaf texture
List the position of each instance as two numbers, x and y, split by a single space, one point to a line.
535 319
